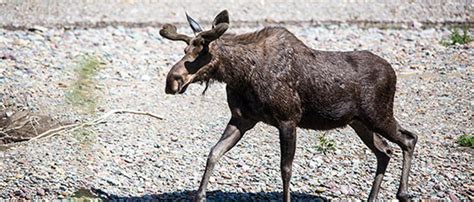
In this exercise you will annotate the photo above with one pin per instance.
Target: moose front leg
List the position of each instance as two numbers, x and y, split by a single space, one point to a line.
287 149
232 134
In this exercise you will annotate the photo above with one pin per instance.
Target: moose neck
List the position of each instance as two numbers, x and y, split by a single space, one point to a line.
234 63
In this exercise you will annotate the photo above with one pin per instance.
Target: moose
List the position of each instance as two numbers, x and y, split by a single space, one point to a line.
273 77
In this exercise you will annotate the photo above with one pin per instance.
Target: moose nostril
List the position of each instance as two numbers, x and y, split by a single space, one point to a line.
177 77
173 84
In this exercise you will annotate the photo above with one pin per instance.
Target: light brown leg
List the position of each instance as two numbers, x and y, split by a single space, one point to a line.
407 141
381 150
232 134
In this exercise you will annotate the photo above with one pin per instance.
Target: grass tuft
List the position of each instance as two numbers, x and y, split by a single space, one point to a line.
82 93
325 145
86 138
466 140
457 38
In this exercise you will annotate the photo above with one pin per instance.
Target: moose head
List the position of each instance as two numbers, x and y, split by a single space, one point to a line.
197 56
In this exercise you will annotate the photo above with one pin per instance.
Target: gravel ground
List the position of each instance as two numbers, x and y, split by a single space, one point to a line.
86 12
139 157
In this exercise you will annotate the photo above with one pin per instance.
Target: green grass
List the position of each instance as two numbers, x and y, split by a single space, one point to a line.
84 135
466 140
457 38
85 195
325 145
82 93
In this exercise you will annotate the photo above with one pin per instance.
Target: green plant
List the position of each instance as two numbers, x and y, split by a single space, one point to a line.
457 38
85 137
466 140
85 195
325 145
82 93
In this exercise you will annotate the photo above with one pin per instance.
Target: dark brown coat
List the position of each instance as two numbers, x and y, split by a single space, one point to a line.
273 77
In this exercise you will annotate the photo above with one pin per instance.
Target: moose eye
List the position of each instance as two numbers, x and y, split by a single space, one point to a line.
196 43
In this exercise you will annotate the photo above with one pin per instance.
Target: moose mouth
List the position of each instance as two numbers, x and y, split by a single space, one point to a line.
174 87
182 88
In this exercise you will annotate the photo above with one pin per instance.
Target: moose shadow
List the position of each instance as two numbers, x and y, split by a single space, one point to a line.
210 196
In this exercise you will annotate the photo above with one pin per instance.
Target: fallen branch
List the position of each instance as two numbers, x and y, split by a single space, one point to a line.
55 130
98 120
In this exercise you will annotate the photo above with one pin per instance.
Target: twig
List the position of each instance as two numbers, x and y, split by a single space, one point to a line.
98 120
121 111
35 119
16 128
3 134
55 130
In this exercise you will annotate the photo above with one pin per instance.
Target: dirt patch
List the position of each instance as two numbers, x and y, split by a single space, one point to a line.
19 123
22 125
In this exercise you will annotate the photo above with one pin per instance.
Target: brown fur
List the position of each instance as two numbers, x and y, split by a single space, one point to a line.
273 77
301 76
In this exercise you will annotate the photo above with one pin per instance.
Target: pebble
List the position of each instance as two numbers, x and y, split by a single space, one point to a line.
174 138
345 189
453 197
138 156
320 189
145 78
40 192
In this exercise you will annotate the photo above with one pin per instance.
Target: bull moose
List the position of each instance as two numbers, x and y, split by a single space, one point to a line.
273 77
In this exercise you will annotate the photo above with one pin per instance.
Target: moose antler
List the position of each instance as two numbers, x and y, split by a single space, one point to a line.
169 31
194 24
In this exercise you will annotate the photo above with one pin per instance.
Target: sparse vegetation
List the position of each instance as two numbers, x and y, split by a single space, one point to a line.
325 145
82 93
18 122
85 195
466 140
85 137
457 38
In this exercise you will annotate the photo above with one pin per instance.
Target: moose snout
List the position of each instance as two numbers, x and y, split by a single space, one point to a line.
172 85
177 79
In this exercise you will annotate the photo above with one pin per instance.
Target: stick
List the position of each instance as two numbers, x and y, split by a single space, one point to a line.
55 130
75 126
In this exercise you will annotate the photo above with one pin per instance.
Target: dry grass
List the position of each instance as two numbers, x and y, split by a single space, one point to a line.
17 121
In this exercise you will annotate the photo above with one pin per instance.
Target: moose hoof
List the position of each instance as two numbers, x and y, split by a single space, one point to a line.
403 197
199 197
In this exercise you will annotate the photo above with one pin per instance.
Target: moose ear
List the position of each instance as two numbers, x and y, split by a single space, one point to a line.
194 24
222 17
215 32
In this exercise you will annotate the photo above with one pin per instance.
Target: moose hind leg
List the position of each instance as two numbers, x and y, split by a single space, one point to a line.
407 144
381 150
406 140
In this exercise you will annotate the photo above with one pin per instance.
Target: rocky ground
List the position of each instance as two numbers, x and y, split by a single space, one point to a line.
140 157
17 13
